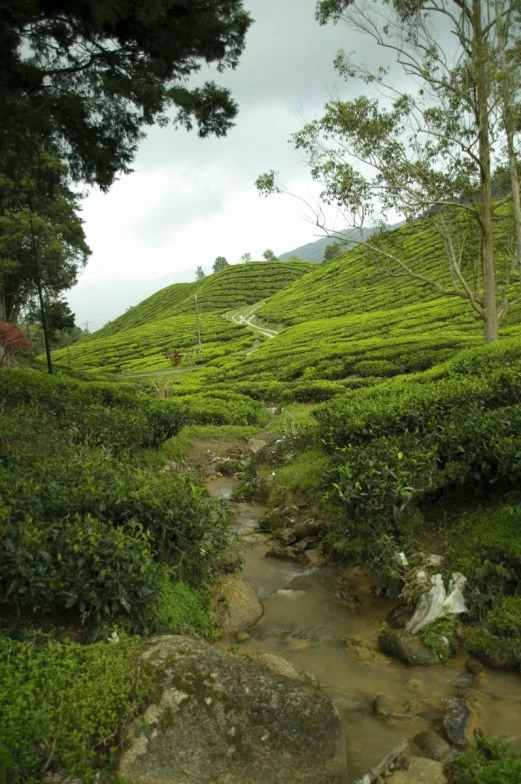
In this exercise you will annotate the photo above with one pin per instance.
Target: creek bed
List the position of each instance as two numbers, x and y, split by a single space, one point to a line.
307 621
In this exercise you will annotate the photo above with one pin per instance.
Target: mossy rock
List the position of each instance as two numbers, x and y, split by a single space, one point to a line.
498 652
405 647
223 720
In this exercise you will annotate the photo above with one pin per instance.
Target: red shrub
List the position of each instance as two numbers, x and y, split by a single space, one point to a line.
13 342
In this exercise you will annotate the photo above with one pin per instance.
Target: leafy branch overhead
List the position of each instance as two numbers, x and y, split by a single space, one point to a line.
91 75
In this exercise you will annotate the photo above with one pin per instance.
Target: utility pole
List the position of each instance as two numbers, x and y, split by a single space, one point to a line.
40 296
198 326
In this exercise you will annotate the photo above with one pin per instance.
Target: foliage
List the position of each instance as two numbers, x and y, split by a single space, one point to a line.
245 258
220 263
200 273
269 255
41 235
505 618
493 761
441 637
333 250
182 606
97 413
64 705
91 77
301 477
13 342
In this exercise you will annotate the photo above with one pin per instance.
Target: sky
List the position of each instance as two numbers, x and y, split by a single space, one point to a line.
190 200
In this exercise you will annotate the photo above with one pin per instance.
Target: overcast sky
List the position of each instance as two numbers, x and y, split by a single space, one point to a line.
189 199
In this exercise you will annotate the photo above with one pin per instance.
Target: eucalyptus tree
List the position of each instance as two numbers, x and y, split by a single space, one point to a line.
424 147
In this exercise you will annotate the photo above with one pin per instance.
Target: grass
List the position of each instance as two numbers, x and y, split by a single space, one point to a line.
294 418
301 477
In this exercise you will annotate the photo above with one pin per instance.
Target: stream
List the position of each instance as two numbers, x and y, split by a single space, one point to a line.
307 619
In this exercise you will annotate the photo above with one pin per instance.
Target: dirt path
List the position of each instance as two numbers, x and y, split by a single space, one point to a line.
239 317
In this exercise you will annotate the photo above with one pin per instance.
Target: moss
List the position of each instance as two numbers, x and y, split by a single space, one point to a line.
182 605
497 652
441 637
66 705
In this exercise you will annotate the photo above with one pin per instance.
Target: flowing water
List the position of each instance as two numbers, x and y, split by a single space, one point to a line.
310 613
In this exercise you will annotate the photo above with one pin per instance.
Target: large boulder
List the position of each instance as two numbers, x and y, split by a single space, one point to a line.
433 746
237 604
222 720
457 721
405 647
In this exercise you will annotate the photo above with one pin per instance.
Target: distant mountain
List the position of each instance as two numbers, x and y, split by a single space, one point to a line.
314 251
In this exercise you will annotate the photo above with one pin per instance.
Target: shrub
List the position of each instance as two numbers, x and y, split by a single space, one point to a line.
505 618
13 342
493 761
64 705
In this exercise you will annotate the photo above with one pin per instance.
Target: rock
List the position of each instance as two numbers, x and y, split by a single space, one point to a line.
353 707
415 685
420 771
498 652
280 666
289 553
474 666
456 721
242 636
286 536
238 604
433 746
405 647
399 617
281 451
382 706
314 557
309 527
222 720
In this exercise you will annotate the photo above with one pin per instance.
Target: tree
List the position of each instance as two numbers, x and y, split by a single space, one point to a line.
42 242
199 273
60 318
219 264
269 255
425 152
245 258
91 75
332 251
13 342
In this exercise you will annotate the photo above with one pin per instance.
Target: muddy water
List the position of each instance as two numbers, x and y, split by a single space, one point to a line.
309 615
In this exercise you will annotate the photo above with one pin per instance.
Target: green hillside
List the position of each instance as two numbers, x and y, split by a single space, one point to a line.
347 323
236 285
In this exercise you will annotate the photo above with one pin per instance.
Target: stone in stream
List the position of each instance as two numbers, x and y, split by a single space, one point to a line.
433 746
456 721
288 553
499 653
405 647
286 536
237 604
420 771
223 720
382 706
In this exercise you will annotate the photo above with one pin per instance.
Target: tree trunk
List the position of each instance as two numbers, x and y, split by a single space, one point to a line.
507 99
482 79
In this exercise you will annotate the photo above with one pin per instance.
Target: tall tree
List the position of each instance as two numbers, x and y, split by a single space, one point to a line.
269 255
199 273
91 75
42 242
245 258
332 250
426 151
220 263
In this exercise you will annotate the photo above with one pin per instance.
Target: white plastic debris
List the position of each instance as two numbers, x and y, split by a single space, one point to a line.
435 603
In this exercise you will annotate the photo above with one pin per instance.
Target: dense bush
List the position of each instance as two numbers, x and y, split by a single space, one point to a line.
494 761
84 531
65 706
505 618
99 413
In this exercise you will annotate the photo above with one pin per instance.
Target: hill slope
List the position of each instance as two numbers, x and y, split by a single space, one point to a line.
236 285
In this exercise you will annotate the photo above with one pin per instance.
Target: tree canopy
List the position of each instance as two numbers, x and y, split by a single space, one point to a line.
220 263
269 255
91 75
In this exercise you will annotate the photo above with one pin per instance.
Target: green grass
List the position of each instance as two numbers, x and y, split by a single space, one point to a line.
301 477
